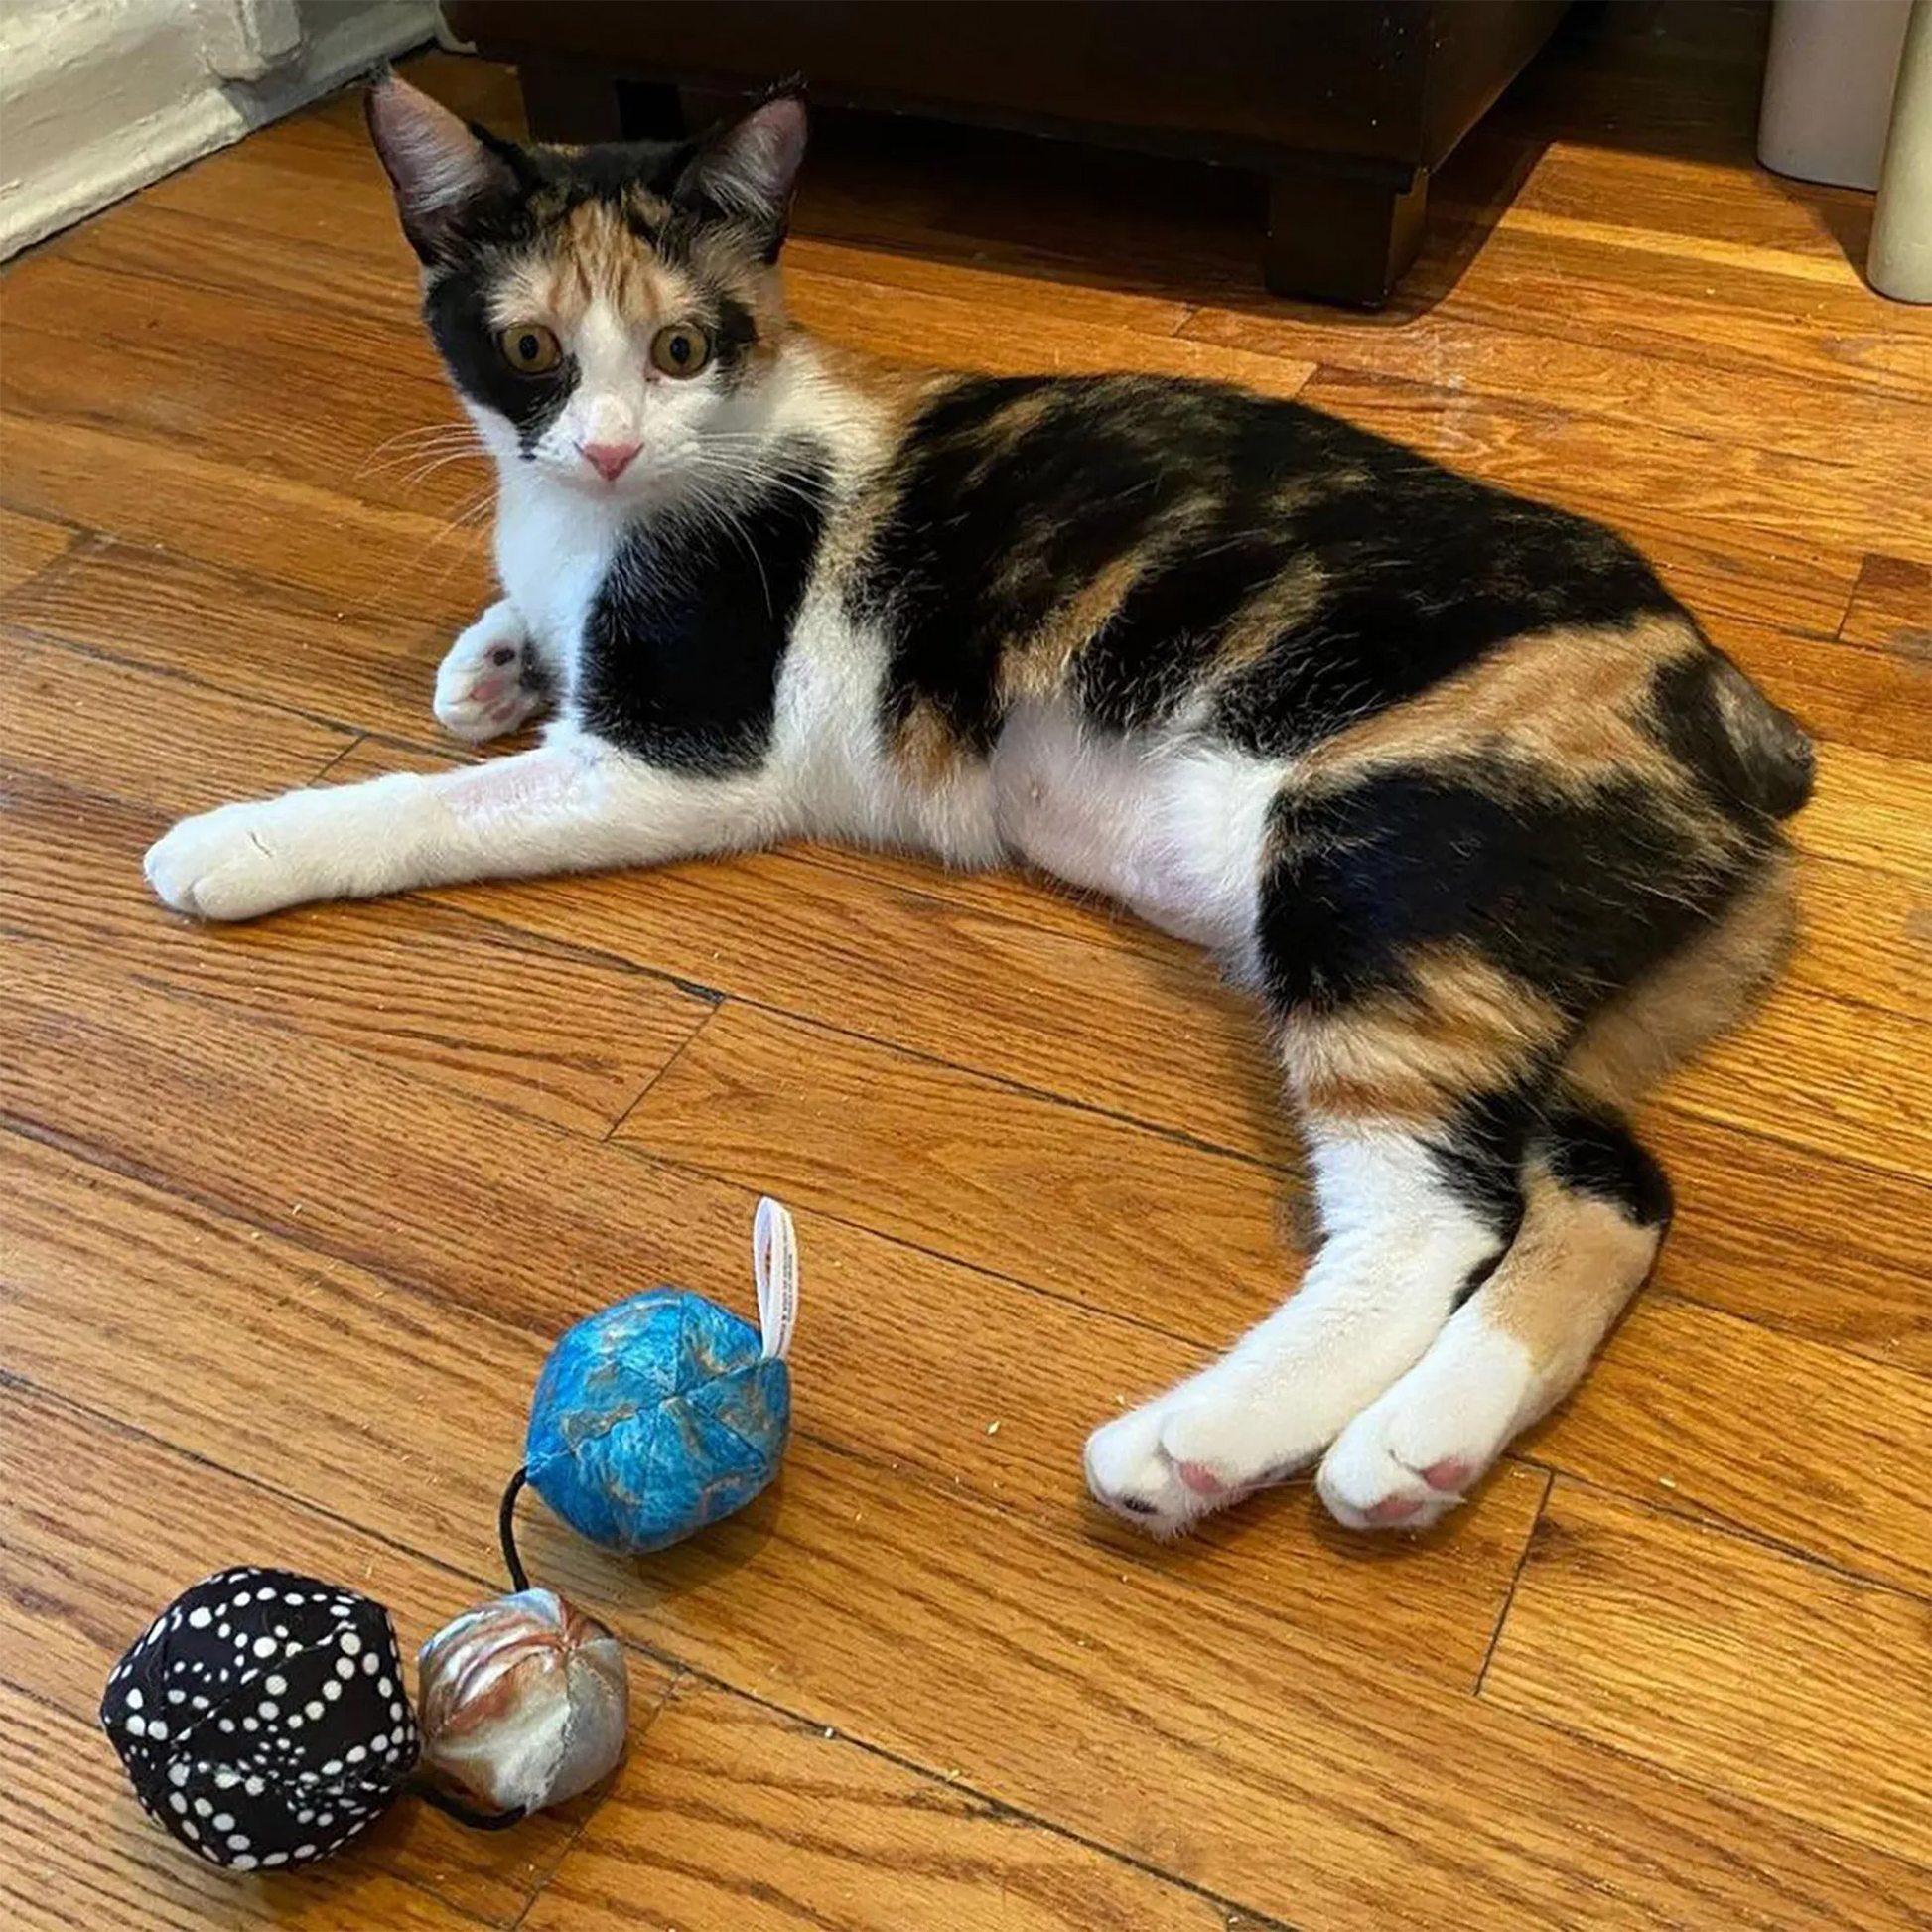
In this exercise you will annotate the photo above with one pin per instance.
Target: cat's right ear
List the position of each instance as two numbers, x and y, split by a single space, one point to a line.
445 171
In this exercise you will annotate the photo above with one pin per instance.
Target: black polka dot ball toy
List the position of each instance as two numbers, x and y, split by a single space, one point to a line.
262 1719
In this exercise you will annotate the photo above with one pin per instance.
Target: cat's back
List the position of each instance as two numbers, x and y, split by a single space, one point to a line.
1150 548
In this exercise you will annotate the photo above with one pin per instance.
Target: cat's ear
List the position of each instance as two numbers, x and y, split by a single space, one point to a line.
442 170
746 170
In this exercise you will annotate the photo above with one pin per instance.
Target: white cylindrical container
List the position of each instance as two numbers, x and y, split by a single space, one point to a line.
1828 82
1900 261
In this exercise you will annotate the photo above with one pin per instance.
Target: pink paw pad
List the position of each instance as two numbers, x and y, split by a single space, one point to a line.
1392 1509
1447 1475
1199 1478
485 688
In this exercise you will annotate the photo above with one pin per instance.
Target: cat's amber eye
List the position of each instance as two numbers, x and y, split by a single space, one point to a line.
680 348
530 348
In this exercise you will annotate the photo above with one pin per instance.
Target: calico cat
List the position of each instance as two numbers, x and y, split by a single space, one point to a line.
1448 777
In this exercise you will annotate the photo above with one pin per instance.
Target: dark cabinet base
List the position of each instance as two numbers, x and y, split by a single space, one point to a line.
1331 237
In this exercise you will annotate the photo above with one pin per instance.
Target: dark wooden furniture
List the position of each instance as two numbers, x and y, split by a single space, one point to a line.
1346 106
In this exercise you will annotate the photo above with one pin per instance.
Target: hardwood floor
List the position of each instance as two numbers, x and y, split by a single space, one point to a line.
293 1210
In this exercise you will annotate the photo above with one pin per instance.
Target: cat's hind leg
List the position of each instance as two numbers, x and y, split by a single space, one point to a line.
1597 1208
492 680
1411 1215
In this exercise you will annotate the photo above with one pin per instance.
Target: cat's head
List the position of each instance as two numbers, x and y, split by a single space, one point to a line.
608 314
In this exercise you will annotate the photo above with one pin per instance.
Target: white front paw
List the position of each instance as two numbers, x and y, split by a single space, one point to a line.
486 684
232 864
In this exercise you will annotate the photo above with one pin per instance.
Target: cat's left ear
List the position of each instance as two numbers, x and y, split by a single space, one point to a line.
446 173
746 170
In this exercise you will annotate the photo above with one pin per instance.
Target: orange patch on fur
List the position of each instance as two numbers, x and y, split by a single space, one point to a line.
1462 1026
1572 701
1697 993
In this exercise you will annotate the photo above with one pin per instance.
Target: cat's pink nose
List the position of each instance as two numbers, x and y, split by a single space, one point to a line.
609 459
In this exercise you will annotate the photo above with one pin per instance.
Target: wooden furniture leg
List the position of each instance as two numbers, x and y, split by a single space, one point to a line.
1342 237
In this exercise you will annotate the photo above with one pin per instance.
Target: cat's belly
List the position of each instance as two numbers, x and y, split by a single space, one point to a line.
1174 828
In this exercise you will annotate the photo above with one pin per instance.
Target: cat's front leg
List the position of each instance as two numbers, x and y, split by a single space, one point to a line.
493 679
572 805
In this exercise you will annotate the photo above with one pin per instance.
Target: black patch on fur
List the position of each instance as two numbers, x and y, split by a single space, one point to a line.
735 333
1748 755
1478 1152
456 309
1419 570
1593 1154
1423 573
1579 897
982 541
684 639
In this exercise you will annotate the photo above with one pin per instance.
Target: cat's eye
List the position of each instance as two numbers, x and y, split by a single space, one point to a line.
530 348
680 348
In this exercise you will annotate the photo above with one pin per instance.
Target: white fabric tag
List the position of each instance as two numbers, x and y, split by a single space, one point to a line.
775 1264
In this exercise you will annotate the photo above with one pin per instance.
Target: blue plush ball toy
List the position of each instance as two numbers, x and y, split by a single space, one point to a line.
665 1412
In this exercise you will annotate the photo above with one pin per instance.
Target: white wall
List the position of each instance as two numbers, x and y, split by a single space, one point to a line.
99 98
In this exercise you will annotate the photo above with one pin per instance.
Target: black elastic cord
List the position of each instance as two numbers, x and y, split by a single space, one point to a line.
477 1821
506 1531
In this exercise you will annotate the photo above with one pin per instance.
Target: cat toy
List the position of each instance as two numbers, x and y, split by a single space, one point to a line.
263 1717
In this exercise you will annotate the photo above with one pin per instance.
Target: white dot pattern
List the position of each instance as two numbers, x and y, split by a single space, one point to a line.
286 1750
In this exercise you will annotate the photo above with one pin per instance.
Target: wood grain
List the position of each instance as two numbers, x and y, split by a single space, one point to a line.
149 739
1215 1746
26 546
1716 1417
738 1817
968 1167
1728 1664
239 632
510 1019
1892 608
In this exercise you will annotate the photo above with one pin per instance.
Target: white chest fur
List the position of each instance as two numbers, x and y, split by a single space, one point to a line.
553 549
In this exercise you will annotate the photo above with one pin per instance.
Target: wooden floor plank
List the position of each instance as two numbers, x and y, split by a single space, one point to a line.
1044 1007
1892 608
1727 1664
1082 1204
1579 461
389 561
1050 1011
236 631
1598 379
487 1011
26 546
229 405
146 737
292 1212
1722 1419
738 1817
1245 1733
1203 1745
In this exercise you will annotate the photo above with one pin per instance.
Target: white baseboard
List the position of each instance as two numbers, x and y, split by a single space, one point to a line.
99 98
